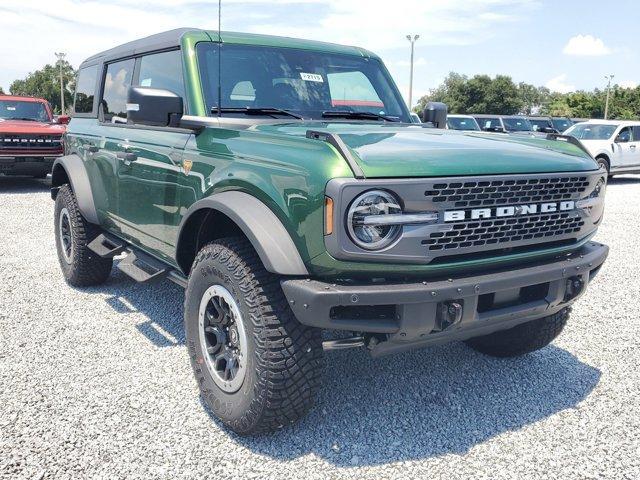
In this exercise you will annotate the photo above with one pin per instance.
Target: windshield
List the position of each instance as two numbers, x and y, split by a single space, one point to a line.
489 123
305 82
539 124
592 131
561 124
462 123
16 109
517 124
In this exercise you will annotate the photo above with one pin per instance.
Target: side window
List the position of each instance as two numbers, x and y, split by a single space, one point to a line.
162 70
636 133
85 89
624 136
116 85
352 89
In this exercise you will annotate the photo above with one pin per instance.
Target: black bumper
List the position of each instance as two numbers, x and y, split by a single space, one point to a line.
412 315
36 165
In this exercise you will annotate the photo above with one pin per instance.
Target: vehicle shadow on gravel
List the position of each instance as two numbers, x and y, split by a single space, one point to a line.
17 185
625 180
443 400
432 402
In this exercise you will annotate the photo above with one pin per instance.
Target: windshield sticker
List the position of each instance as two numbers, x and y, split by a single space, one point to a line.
311 77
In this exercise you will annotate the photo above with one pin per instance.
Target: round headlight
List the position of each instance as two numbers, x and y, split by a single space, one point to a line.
365 220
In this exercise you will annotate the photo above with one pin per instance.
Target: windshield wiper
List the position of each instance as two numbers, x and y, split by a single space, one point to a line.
357 115
271 111
26 119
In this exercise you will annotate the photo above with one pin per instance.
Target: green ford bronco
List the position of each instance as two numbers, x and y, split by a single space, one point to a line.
282 184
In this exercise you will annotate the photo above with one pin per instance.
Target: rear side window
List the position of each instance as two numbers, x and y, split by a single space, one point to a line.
85 89
636 133
116 86
162 70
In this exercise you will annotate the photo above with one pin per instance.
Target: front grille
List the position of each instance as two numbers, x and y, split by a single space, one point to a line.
30 142
483 193
495 233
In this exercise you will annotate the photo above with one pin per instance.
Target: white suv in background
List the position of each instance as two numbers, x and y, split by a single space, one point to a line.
615 144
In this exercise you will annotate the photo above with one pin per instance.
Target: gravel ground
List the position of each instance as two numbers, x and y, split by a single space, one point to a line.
96 383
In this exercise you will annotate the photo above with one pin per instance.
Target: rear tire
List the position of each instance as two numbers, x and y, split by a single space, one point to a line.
521 339
80 266
257 367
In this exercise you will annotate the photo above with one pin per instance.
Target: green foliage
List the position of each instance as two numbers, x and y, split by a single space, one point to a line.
500 95
45 83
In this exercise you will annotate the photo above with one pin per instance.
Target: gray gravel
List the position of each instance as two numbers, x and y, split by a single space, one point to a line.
96 383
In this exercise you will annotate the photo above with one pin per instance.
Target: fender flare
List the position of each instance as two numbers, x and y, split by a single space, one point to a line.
76 172
260 225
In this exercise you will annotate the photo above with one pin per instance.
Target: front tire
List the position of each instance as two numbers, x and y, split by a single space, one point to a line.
521 339
257 367
80 266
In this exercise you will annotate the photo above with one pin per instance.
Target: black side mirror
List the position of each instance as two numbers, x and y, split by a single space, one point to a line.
436 114
154 107
548 130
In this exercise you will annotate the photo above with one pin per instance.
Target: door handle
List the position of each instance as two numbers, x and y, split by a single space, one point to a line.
632 147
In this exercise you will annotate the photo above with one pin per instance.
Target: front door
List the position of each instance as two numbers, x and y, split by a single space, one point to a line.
148 159
149 171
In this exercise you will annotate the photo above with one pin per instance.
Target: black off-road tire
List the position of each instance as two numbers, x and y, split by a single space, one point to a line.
284 358
83 268
525 338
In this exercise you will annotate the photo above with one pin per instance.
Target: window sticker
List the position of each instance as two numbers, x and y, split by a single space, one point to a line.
311 77
145 83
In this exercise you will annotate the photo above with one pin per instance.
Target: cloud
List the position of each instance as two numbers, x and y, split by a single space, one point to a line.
559 84
586 45
628 84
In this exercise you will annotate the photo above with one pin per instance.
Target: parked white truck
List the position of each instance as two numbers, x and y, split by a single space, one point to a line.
615 144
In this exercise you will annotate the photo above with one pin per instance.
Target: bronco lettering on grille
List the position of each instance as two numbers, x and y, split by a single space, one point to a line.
508 211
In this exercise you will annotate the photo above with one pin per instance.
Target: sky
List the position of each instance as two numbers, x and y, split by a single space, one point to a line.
565 45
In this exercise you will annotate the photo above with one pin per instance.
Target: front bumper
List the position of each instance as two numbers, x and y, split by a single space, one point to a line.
27 165
412 315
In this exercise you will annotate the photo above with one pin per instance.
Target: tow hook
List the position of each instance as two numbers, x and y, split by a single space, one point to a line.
574 287
449 314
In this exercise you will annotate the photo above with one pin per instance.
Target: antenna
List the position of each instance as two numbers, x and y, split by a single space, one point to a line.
219 58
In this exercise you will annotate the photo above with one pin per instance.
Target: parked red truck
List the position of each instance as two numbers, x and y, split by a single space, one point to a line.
30 137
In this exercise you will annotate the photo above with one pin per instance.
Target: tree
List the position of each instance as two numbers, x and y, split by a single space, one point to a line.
482 94
479 94
45 83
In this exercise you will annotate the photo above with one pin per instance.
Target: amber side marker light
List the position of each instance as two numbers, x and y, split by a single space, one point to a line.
328 215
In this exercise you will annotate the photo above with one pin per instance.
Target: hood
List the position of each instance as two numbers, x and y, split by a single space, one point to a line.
34 128
387 150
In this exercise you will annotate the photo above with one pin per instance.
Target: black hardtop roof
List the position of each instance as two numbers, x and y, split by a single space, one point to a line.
158 41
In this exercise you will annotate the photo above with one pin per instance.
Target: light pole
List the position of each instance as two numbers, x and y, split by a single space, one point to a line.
606 103
60 57
412 39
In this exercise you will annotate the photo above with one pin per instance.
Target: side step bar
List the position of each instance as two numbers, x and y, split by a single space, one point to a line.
107 246
141 267
136 264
